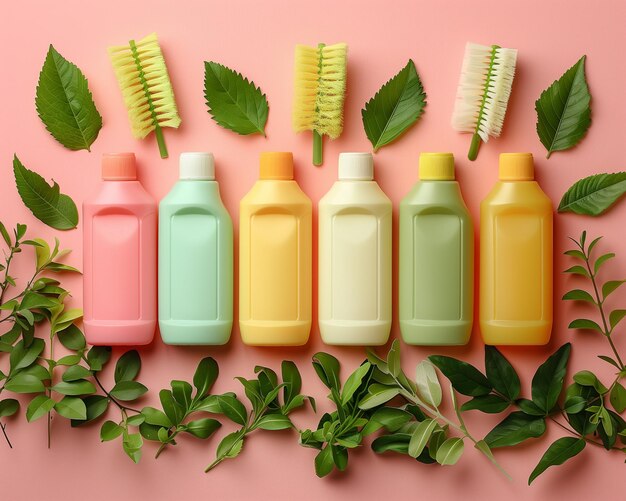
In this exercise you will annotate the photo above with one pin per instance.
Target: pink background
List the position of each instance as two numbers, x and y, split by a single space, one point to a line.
258 38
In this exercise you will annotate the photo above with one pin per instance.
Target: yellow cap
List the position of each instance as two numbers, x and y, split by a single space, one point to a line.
276 165
436 167
517 167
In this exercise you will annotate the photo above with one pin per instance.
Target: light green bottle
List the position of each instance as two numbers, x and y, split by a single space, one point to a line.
436 258
195 258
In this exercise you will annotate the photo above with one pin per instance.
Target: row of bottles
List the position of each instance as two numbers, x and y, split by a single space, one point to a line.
436 257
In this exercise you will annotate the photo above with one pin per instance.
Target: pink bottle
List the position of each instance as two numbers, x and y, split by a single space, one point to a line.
120 258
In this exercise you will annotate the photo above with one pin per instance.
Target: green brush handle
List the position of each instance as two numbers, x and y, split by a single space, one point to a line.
474 147
317 149
158 132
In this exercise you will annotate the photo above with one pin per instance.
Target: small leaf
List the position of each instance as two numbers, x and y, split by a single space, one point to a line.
615 317
25 383
397 105
96 406
353 382
324 462
128 366
501 373
578 295
71 408
428 386
465 378
529 407
205 376
80 387
577 270
72 338
46 202
393 359
514 429
490 404
274 422
594 195
181 390
5 235
588 378
601 260
618 398
9 406
450 451
378 395
65 105
128 390
132 444
22 356
156 417
202 428
559 451
110 431
293 381
610 287
563 113
98 356
574 405
327 368
610 361
547 382
234 102
584 323
76 372
420 437
233 409
390 418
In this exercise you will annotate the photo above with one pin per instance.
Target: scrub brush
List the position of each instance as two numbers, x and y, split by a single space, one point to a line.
141 72
320 91
483 92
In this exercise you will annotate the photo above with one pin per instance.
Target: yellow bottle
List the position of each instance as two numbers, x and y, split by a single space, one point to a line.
275 262
516 257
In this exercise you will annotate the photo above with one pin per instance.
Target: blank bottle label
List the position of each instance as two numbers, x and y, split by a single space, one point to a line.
355 267
194 240
116 250
438 268
274 287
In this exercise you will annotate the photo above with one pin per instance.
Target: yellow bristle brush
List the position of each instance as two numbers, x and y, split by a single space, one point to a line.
320 91
483 92
141 72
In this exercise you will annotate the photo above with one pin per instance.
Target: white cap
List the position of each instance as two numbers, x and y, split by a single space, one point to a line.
197 165
356 166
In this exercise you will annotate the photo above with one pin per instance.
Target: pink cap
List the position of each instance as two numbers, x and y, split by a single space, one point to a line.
119 167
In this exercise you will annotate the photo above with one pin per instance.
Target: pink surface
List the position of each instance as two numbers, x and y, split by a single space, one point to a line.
258 39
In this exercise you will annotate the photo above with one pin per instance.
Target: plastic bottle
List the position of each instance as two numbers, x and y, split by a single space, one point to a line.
436 258
516 257
119 261
275 257
195 258
355 257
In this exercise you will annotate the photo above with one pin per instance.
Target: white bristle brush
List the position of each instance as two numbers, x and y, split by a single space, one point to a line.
483 92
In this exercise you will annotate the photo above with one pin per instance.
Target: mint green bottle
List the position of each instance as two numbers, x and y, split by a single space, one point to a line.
195 258
436 258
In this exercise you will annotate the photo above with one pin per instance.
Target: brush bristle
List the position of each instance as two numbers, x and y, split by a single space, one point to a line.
482 96
145 85
320 89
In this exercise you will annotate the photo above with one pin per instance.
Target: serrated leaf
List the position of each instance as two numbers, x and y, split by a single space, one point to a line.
594 195
514 429
559 451
397 105
547 382
234 102
563 112
65 105
46 202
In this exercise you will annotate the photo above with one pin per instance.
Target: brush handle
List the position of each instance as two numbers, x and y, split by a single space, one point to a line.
317 149
158 132
474 147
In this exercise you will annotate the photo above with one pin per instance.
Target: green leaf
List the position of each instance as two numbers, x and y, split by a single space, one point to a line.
81 387
128 366
202 428
205 376
65 105
181 390
393 359
327 368
23 356
428 386
390 418
33 301
96 406
514 429
397 105
574 405
324 462
46 202
353 382
293 381
25 383
132 443
274 422
378 394
5 235
110 431
233 409
8 407
601 260
578 270
420 437
465 378
563 112
38 407
98 356
559 451
576 253
156 417
128 390
615 317
610 287
501 373
490 404
588 378
72 338
594 195
618 398
584 323
450 451
548 379
234 102
76 372
578 295
71 408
